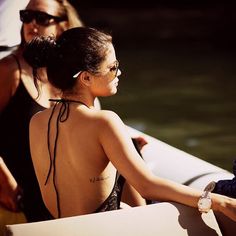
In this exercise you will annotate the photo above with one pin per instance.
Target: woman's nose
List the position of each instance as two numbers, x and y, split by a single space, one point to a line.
34 25
118 72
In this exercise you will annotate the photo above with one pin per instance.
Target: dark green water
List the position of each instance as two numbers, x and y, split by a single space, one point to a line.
183 95
178 77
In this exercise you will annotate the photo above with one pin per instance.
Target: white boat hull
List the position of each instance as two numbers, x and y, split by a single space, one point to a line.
174 164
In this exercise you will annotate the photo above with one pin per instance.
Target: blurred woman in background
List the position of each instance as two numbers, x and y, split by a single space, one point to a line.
19 100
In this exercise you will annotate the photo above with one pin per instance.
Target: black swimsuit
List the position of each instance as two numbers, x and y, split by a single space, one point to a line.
113 200
14 148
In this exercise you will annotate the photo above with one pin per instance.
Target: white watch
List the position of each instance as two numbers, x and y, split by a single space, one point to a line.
204 203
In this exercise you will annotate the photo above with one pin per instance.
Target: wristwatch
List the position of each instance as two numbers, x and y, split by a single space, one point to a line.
204 203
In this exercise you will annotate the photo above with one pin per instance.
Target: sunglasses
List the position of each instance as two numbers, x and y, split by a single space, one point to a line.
41 18
113 70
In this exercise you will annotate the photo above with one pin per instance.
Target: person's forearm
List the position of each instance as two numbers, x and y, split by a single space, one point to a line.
5 174
166 190
172 191
9 189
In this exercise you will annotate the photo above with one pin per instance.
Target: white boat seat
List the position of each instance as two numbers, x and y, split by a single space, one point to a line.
152 220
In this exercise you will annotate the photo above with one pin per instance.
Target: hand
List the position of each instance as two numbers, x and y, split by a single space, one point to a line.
229 208
10 192
226 205
124 205
9 197
139 142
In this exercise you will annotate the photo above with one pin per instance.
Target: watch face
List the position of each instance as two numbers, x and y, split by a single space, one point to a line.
204 204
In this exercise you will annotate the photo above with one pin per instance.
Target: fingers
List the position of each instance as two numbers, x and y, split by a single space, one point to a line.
140 141
11 200
9 204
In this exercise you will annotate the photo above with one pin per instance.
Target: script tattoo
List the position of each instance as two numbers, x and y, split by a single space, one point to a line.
96 179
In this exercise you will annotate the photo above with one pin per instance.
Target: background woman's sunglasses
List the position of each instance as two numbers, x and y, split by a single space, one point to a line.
41 18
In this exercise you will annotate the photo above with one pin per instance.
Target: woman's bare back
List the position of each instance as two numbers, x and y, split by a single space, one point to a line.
81 166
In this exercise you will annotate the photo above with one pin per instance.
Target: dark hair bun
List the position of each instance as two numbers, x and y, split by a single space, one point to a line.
39 51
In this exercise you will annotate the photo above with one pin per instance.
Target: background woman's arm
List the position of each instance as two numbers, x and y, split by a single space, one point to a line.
9 190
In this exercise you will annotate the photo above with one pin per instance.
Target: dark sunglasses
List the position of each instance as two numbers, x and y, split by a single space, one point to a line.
41 18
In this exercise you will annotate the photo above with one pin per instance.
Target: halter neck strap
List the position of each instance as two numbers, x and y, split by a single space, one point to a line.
63 114
62 100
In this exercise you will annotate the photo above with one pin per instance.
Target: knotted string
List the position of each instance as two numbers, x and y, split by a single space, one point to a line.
62 117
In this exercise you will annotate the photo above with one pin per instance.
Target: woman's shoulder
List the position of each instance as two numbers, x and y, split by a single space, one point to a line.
108 118
9 60
36 117
106 115
41 115
98 118
39 120
9 79
8 67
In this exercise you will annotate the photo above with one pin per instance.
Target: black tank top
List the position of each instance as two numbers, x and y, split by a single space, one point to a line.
15 151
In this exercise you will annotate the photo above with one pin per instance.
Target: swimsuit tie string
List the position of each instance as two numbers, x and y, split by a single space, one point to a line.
63 115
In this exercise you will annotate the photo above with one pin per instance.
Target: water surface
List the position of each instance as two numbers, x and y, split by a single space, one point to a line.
183 95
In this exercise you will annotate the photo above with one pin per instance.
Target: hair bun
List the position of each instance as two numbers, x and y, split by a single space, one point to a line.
39 51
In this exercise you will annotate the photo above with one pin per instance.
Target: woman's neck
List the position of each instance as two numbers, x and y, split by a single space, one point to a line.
80 98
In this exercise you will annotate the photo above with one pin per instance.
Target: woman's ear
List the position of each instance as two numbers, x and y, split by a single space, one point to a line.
85 78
